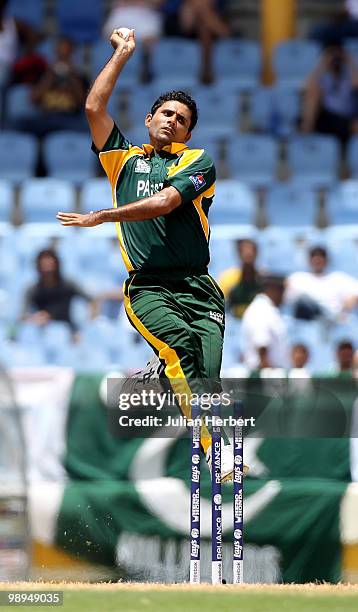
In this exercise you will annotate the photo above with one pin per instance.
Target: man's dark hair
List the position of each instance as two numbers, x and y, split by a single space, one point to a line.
183 98
344 344
318 250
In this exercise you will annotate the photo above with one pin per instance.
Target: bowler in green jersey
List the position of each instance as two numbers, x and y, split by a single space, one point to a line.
161 195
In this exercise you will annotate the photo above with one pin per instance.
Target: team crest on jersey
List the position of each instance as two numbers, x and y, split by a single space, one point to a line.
142 166
198 180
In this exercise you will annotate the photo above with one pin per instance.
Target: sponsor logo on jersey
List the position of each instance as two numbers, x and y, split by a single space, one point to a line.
198 180
216 316
142 166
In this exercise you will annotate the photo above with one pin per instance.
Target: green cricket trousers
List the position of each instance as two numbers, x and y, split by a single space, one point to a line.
182 316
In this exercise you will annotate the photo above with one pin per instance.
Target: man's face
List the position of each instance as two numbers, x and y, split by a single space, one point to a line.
247 250
345 356
318 263
170 123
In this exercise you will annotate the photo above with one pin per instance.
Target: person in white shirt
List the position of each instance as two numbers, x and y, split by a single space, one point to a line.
264 333
319 293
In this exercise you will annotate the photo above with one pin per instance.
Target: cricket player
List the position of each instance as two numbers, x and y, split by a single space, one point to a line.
161 195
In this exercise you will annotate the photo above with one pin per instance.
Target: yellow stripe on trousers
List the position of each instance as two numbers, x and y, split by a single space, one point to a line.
173 369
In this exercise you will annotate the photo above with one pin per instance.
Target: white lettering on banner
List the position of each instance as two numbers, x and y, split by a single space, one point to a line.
146 188
167 560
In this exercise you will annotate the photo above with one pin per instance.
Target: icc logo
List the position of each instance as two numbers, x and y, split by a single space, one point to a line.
217 500
238 460
237 534
196 459
195 533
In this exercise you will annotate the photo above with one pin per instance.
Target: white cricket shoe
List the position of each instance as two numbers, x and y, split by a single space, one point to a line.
227 462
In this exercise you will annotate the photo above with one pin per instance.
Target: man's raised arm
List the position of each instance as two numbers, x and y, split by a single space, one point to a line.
100 122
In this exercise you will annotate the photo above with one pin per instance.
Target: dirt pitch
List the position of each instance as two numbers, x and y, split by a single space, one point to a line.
136 597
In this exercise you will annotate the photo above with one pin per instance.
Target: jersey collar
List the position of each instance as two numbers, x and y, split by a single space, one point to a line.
174 148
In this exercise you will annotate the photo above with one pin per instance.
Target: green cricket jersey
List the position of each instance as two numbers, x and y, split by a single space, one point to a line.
179 240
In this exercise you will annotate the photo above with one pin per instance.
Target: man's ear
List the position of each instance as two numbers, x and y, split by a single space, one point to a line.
148 120
188 137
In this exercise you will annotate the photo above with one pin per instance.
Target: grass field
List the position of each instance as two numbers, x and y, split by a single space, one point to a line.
82 597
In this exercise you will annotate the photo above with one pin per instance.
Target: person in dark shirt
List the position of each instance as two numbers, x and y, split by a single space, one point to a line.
49 299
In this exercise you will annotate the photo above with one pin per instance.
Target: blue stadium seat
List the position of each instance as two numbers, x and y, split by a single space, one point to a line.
253 159
102 51
237 64
284 251
68 155
137 136
18 156
139 105
96 193
275 110
7 202
342 246
19 105
212 145
352 156
32 12
42 198
314 160
342 203
289 205
222 255
294 60
81 20
234 203
218 113
176 63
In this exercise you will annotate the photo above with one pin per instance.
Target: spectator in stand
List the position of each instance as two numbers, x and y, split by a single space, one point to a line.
60 95
50 298
14 34
330 100
319 293
343 25
202 19
299 356
241 285
145 18
344 358
264 333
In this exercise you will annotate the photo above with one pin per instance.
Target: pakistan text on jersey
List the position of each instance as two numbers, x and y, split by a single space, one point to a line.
146 189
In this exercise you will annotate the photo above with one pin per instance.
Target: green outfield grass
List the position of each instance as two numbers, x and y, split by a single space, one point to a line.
203 598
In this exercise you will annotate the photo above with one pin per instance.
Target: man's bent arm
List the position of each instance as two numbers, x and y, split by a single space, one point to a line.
157 205
100 122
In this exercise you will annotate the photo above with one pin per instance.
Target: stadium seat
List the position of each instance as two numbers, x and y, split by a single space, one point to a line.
253 159
342 246
81 20
42 198
294 60
32 12
68 155
18 105
352 156
314 160
234 203
7 201
96 193
275 110
289 205
222 255
218 113
139 105
284 251
342 203
101 52
18 156
237 64
176 63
